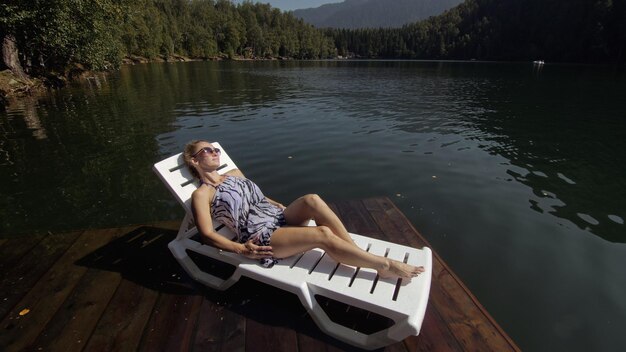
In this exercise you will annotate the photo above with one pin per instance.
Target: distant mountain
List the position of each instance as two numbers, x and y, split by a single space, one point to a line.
354 14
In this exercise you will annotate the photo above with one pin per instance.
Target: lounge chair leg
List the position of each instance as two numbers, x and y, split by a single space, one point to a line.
187 226
179 251
341 332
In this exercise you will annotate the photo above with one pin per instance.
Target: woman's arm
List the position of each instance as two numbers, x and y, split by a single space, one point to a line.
201 208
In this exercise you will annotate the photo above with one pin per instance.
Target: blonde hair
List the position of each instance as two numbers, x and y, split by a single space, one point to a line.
187 155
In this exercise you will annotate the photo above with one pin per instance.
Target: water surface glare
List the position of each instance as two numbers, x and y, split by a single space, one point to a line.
514 174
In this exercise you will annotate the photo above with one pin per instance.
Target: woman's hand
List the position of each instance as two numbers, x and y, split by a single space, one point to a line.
252 251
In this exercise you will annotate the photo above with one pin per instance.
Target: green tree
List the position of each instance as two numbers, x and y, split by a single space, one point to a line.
52 35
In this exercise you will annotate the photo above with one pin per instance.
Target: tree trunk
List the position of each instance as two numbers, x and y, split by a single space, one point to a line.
10 57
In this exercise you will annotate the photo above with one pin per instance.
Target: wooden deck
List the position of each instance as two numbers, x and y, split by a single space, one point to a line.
121 290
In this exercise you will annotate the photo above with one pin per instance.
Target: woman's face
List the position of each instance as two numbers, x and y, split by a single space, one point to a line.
206 156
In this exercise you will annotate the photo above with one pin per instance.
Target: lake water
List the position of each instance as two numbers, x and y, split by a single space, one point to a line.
515 174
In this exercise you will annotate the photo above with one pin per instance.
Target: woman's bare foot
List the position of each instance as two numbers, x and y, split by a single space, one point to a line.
399 269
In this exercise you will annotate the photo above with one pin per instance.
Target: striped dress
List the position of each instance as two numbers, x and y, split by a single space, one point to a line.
240 205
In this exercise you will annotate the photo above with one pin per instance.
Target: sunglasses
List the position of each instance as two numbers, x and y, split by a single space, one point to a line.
207 150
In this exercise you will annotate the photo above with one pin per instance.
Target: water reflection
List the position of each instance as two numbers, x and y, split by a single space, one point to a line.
26 107
561 129
549 123
553 130
551 126
81 156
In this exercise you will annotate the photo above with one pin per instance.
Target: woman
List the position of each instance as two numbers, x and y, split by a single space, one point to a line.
266 229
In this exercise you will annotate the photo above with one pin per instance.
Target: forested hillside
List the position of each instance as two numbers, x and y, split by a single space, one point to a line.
55 37
45 36
553 30
352 14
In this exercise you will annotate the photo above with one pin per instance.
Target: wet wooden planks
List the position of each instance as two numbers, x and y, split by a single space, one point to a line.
120 289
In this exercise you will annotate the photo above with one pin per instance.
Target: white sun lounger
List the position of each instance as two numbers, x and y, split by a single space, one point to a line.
312 274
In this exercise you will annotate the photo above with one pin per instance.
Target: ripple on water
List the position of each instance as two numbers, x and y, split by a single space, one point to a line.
565 178
616 219
588 218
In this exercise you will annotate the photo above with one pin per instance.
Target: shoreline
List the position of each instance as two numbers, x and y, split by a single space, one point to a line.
14 88
135 59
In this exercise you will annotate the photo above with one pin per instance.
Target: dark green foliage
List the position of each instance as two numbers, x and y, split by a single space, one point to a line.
554 30
206 28
51 34
55 35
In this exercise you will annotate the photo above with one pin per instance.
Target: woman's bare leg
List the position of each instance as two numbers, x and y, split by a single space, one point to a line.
311 206
287 241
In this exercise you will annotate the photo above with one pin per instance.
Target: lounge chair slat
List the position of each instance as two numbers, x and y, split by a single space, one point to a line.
365 278
325 267
362 241
343 276
386 287
309 259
